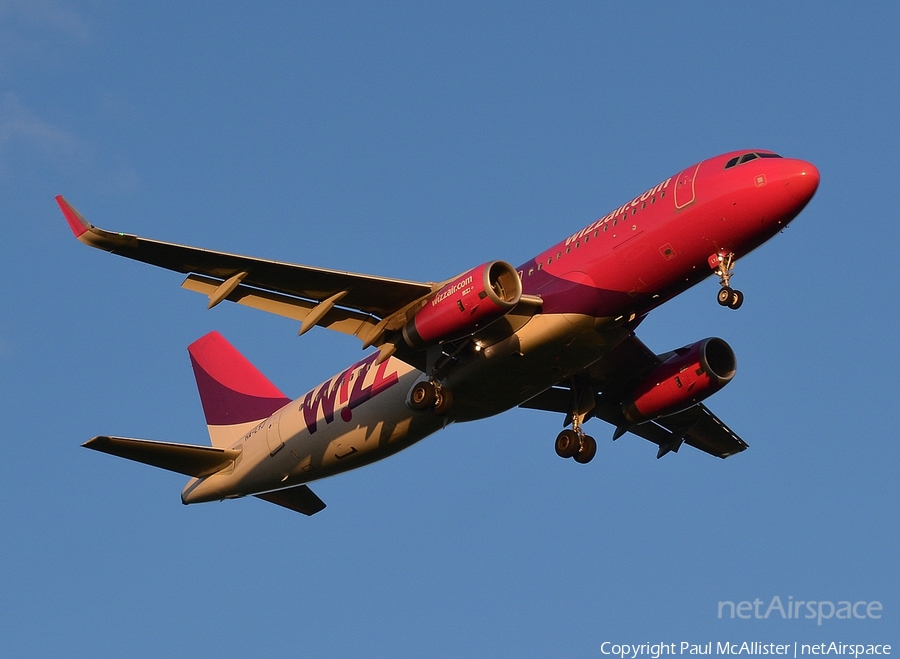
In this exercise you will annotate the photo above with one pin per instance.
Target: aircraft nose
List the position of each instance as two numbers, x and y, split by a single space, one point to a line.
804 180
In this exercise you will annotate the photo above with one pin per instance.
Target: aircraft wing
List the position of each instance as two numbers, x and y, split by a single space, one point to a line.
610 378
357 304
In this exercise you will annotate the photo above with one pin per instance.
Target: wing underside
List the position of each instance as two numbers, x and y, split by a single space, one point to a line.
609 378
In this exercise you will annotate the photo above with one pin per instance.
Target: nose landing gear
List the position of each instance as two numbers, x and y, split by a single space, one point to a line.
723 264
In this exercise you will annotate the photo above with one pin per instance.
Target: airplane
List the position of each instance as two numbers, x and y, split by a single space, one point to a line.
555 334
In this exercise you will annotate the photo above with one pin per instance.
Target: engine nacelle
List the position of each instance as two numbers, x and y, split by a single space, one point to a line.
468 303
689 376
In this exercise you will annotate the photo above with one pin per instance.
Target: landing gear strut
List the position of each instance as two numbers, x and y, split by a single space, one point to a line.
724 267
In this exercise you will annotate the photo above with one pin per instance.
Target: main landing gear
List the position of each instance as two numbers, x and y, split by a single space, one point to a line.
724 267
430 394
574 443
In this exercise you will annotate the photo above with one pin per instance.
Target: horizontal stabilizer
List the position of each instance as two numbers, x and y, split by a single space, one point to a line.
300 499
187 459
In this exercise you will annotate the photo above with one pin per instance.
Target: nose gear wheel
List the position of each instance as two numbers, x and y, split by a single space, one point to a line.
724 268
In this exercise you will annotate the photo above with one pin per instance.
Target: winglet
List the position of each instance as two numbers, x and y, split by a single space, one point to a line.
94 236
77 223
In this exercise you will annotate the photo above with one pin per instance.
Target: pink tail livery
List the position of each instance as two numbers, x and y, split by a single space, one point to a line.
234 394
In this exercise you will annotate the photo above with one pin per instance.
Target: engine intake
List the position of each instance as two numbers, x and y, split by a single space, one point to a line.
691 375
469 302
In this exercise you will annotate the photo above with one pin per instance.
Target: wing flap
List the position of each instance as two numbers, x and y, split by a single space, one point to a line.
187 459
346 321
300 499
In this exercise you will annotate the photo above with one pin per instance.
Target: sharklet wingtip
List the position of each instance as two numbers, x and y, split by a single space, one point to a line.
75 220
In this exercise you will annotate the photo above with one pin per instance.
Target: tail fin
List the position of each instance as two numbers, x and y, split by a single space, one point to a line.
234 394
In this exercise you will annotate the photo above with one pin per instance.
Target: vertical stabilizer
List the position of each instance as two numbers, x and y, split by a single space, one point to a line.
234 394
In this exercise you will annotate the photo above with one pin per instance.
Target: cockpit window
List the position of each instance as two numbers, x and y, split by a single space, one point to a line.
747 157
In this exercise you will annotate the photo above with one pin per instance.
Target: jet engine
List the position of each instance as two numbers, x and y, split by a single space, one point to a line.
690 375
466 304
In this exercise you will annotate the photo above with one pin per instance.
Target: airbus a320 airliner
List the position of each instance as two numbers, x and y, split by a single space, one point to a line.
555 334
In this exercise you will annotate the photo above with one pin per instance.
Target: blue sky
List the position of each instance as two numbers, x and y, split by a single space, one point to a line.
416 141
